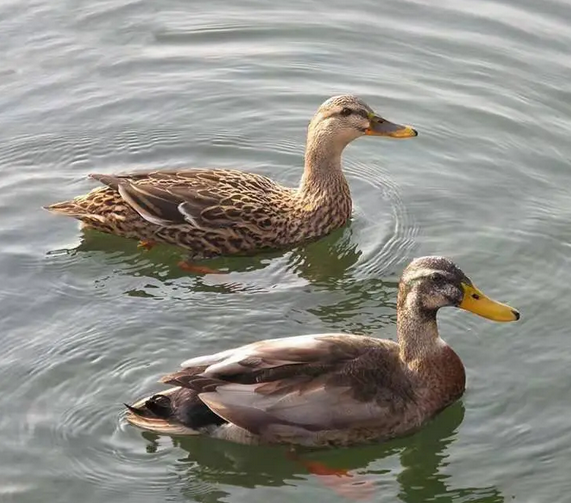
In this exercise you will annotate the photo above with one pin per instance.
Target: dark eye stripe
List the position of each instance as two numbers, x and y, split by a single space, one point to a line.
345 112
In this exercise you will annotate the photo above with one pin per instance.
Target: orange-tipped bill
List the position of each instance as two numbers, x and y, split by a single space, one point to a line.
381 127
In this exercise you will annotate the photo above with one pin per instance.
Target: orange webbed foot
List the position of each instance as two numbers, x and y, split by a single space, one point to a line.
147 244
198 269
340 480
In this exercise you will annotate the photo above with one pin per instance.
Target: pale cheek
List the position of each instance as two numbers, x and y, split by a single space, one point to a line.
453 296
435 301
348 135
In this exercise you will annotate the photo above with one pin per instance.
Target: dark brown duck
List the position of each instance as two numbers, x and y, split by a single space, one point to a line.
328 389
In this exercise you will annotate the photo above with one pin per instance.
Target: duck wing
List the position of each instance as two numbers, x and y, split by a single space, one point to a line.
300 385
207 199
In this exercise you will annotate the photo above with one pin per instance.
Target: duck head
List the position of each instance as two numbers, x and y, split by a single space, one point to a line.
429 283
347 117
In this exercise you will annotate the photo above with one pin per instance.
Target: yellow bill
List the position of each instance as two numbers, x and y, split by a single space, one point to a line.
478 303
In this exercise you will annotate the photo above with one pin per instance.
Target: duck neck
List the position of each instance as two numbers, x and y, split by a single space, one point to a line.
426 354
416 328
323 172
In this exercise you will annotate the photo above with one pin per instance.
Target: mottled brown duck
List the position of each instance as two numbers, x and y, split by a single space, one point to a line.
213 212
328 389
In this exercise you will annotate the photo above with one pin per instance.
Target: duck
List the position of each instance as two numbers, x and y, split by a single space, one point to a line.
325 390
220 212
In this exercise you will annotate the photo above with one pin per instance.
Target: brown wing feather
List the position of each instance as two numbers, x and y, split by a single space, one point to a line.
326 382
204 198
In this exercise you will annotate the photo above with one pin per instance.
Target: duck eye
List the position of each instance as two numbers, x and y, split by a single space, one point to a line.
438 278
346 112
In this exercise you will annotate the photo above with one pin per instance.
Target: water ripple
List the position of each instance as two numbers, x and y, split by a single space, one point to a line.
90 321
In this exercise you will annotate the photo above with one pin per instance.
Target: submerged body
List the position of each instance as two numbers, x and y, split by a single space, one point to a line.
225 212
328 389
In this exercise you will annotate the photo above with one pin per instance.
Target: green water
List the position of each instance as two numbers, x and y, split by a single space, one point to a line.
90 321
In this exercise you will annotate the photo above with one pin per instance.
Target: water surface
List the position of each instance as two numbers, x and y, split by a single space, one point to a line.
89 321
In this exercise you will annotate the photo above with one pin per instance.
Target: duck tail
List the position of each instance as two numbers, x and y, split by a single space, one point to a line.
68 208
77 208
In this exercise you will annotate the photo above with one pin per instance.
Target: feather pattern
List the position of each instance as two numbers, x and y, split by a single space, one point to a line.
213 212
329 389
303 384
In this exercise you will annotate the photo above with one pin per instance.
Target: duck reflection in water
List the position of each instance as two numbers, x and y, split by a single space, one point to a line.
340 295
357 473
325 263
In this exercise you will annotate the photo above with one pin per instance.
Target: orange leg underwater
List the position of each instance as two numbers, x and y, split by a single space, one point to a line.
198 269
340 480
147 244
